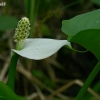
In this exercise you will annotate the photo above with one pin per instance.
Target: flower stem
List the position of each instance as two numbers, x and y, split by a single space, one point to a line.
88 82
12 70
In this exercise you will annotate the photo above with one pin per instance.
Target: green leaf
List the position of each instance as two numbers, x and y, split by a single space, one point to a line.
84 29
96 2
6 93
90 20
37 73
89 39
7 22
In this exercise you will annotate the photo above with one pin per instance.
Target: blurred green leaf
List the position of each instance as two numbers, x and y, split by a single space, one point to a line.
37 73
92 98
96 2
47 5
22 98
7 22
48 83
45 30
6 93
43 78
85 30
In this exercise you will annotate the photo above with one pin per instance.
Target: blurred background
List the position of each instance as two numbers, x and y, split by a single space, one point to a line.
60 76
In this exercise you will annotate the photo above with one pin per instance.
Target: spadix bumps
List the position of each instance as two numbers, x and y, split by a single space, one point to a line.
22 30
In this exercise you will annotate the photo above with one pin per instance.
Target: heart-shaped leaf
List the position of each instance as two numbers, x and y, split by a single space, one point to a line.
84 29
90 20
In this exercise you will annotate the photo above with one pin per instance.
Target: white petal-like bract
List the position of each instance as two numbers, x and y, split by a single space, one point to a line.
40 48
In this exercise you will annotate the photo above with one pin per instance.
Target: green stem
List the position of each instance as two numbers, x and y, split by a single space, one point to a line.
32 10
12 70
7 7
88 82
26 3
32 16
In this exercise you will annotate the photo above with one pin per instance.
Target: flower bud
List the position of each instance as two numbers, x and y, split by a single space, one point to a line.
22 30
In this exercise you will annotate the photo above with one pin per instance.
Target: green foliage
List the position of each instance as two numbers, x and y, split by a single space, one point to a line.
6 93
96 2
90 20
7 22
85 30
89 39
38 73
43 78
96 88
47 5
45 30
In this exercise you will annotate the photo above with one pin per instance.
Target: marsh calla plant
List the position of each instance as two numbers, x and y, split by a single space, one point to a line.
86 33
31 48
36 48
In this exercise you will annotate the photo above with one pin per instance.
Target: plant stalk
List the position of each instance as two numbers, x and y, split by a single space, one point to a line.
12 70
88 82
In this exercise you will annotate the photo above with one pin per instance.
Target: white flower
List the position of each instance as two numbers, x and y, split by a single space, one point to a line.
40 48
34 48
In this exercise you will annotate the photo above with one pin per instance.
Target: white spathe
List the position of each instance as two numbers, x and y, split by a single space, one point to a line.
40 48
